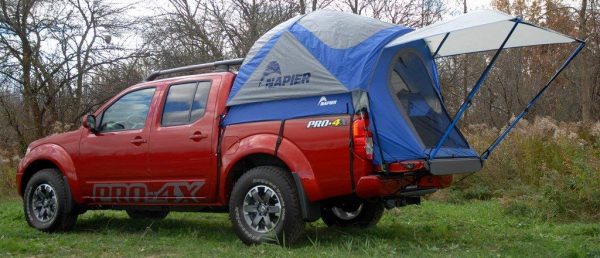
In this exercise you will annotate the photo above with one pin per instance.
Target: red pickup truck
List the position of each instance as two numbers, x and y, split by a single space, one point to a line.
331 115
158 147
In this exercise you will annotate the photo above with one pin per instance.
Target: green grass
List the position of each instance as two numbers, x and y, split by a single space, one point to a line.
475 228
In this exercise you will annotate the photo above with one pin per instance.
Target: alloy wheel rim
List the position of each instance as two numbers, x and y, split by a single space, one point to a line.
346 215
262 208
44 203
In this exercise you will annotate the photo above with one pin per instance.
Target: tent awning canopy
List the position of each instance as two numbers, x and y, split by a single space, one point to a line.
480 31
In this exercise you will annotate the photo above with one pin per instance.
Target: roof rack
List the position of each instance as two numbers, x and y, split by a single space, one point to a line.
218 65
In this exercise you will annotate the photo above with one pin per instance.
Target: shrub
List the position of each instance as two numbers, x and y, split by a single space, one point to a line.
544 169
7 180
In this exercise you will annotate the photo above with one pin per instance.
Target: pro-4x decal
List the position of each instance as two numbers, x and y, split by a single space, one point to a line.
140 192
327 123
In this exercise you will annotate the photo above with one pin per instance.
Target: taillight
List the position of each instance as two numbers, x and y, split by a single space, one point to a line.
406 166
403 166
362 137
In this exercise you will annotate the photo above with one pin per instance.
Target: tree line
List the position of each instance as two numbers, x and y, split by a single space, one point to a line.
60 59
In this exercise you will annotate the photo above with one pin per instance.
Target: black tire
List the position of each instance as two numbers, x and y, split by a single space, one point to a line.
283 227
47 193
144 214
369 214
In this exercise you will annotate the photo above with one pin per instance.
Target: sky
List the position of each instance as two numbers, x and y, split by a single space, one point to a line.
151 5
474 4
143 8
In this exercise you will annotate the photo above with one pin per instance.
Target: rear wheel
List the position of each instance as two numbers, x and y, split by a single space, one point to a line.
47 204
359 214
144 214
264 207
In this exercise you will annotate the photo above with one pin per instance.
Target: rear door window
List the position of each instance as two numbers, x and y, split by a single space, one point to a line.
185 103
200 98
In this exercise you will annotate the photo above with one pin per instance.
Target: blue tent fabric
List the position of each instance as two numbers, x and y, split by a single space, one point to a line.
391 123
314 65
289 109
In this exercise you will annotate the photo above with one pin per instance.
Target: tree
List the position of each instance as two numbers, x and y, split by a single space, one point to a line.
51 49
59 59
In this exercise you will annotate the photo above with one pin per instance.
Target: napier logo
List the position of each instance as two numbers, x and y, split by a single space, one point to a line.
272 77
324 102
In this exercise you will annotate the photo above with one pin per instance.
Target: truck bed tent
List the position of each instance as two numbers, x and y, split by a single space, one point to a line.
329 62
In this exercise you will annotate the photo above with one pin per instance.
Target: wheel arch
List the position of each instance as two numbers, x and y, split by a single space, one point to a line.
49 156
251 161
259 150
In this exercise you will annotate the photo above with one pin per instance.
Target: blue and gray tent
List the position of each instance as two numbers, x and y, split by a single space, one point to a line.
329 62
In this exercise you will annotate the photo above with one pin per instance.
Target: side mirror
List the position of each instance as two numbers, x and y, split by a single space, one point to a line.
90 122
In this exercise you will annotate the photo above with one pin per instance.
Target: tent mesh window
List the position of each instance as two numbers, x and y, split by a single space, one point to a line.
416 97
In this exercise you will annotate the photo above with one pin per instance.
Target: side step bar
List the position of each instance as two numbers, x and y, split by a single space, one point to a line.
224 64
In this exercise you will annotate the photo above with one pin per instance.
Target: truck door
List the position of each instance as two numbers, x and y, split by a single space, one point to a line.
115 156
181 153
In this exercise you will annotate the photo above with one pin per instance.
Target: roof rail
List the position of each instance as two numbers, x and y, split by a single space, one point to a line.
223 64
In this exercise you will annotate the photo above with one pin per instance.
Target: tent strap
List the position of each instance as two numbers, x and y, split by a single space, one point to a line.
503 135
468 101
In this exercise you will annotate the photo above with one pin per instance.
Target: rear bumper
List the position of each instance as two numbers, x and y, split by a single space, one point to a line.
380 186
448 166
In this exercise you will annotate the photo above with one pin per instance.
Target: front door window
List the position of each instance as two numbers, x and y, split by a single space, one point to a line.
127 113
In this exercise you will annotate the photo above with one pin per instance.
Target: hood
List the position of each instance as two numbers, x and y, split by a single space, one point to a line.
60 139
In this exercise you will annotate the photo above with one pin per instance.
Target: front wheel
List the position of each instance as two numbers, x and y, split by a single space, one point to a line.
47 204
361 214
264 207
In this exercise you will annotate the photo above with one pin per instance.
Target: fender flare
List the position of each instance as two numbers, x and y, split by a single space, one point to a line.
288 152
60 158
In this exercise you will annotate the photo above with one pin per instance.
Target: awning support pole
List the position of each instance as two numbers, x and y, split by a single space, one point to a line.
468 101
441 44
500 138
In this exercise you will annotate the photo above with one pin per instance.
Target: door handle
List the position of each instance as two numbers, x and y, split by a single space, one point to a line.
197 136
138 140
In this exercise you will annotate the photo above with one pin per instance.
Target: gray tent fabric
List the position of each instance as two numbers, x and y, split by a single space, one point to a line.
342 31
336 50
480 31
288 71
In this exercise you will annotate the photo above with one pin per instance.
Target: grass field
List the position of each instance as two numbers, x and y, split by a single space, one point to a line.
477 228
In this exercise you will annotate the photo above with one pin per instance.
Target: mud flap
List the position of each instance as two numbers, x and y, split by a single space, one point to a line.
311 211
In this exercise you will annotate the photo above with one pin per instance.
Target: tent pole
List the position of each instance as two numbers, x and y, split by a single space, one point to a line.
489 150
441 44
468 101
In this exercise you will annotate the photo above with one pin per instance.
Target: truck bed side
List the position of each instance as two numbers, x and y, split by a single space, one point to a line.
323 149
